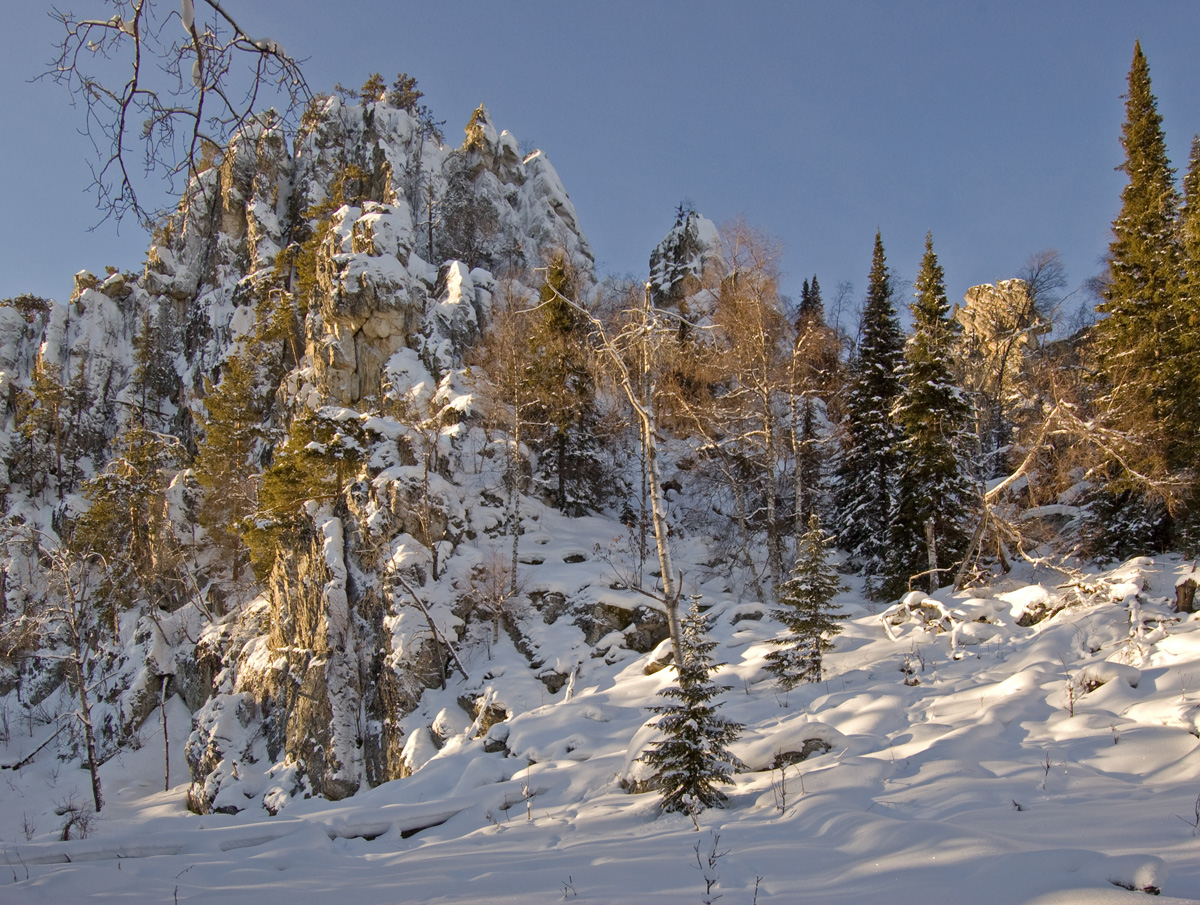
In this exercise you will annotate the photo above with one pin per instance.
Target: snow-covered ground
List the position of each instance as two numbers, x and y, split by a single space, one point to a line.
1054 762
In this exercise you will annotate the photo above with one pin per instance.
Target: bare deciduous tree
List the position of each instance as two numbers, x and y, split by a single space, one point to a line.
504 356
633 359
164 89
496 590
65 624
754 341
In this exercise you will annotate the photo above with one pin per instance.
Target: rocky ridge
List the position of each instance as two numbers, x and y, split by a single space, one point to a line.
338 261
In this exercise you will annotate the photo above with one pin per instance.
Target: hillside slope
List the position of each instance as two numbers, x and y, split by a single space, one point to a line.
954 754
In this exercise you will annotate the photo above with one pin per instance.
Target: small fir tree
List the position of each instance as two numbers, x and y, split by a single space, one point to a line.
807 611
404 94
694 758
374 89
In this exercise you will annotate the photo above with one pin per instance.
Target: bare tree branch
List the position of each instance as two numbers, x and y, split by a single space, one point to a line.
175 102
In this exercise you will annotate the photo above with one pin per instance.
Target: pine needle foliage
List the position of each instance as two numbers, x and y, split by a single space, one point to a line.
933 488
1190 228
127 520
866 479
565 417
807 611
319 458
1144 345
226 465
694 757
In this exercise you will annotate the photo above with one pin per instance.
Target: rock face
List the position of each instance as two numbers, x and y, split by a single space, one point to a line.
355 266
680 263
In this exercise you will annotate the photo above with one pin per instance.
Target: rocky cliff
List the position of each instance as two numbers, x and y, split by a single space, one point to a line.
346 273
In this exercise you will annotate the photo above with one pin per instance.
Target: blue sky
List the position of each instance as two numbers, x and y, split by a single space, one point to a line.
994 124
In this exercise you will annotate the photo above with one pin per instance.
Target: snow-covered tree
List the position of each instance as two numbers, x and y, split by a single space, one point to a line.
1137 330
928 529
806 610
866 479
814 367
694 758
127 521
993 356
748 412
1137 333
1144 342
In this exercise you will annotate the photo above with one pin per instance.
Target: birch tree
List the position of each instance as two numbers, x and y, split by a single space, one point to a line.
756 341
633 356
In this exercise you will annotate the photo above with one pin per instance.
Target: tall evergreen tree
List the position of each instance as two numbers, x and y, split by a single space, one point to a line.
807 611
1142 330
694 758
1189 235
563 385
814 363
234 412
866 479
42 420
1144 343
929 522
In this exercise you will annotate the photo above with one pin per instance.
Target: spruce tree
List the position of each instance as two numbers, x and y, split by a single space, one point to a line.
233 417
807 611
866 479
1144 343
1189 238
562 383
1142 331
814 364
929 521
812 309
694 758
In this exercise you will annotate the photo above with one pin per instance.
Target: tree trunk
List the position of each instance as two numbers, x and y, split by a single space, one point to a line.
89 734
931 547
166 741
1185 596
658 503
514 495
775 568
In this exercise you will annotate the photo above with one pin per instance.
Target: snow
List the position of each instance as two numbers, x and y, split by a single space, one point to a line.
977 783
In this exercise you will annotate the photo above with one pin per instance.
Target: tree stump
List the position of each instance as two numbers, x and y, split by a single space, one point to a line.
1185 596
